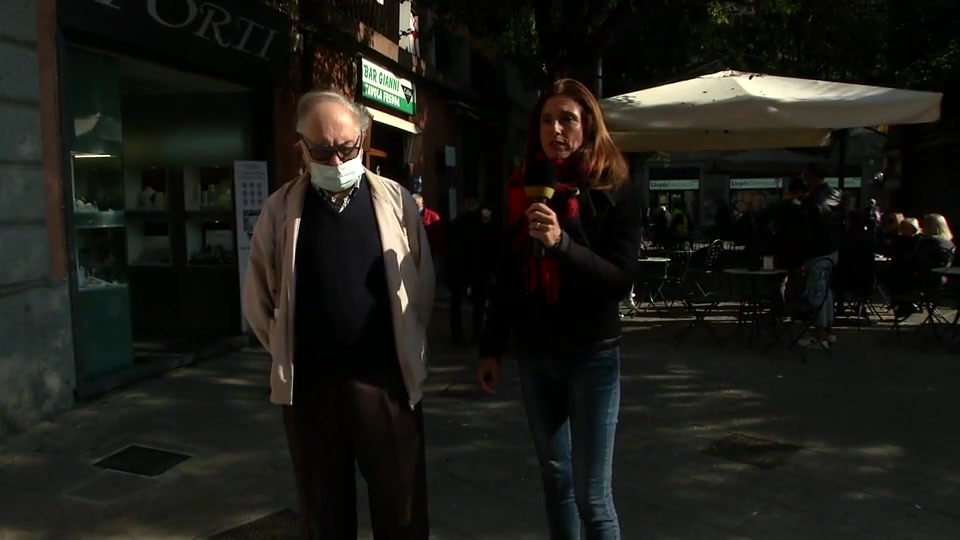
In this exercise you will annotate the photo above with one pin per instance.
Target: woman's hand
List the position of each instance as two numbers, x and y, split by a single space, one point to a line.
489 375
543 224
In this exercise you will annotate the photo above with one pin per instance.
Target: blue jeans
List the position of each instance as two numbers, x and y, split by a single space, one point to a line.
820 290
572 403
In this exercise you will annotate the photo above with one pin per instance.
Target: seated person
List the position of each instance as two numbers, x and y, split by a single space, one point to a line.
906 243
889 233
934 249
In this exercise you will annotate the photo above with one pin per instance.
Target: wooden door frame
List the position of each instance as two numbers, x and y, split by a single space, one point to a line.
373 152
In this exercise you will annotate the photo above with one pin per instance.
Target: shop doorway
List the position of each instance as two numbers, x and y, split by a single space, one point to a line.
386 156
152 152
685 201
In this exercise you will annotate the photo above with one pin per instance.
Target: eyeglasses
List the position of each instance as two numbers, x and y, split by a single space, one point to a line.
322 152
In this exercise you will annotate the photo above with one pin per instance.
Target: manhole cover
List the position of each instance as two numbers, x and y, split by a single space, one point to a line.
752 450
283 524
136 459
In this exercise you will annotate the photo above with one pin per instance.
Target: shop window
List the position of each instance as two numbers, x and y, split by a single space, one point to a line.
153 226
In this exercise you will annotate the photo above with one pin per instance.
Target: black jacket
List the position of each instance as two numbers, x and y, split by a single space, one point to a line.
788 233
597 266
823 222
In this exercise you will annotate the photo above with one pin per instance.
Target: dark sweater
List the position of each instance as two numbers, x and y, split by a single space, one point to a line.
823 222
597 264
343 320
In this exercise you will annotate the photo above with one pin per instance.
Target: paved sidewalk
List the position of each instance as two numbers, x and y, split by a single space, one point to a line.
877 427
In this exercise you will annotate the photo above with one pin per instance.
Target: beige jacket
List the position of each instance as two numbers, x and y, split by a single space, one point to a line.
270 283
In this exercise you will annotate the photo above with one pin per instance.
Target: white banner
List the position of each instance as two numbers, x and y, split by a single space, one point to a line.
756 183
674 185
251 187
852 183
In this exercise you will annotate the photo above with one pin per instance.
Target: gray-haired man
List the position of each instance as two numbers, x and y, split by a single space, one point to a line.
339 290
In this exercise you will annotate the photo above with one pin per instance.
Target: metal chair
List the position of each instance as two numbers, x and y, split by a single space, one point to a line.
704 292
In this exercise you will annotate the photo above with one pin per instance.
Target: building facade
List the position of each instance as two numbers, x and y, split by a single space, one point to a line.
37 372
140 149
141 139
441 107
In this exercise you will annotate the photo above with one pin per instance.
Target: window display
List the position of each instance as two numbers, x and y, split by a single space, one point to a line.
208 199
98 220
148 214
754 194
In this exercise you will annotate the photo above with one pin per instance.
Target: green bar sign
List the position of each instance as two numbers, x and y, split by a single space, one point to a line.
384 87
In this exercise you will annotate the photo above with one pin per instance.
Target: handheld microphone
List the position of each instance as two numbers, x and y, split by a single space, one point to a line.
540 185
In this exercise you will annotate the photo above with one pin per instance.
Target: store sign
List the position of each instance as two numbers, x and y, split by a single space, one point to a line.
756 183
852 183
674 185
224 32
848 183
382 86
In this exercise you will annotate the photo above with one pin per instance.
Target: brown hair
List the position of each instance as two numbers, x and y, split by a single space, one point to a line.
602 163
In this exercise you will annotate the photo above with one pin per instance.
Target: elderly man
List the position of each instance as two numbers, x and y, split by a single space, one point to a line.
339 290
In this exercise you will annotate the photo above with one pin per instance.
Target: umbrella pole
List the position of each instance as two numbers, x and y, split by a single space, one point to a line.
841 157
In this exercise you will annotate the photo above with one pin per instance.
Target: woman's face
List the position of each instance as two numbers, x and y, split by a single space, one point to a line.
561 127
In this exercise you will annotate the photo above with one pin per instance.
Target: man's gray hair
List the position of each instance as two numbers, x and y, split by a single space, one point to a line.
310 100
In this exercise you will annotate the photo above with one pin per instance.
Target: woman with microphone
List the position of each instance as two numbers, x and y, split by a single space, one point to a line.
574 226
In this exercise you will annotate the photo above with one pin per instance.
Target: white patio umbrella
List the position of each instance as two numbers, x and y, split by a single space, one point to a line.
732 110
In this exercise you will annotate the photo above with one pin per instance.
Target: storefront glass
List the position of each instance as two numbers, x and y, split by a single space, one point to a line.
677 188
754 194
153 224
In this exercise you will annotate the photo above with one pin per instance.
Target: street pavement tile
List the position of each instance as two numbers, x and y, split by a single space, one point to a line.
280 525
762 453
827 513
109 487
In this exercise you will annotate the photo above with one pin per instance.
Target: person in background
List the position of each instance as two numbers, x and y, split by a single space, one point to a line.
562 309
659 225
471 251
432 224
340 284
679 230
936 247
889 233
909 237
872 215
785 220
932 248
824 227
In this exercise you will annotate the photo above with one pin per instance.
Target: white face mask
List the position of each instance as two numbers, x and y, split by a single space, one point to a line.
337 178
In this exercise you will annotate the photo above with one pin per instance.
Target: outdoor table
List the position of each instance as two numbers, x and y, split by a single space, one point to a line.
651 289
952 271
752 305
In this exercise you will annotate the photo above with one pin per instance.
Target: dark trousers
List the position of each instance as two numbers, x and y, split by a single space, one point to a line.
333 425
478 300
573 403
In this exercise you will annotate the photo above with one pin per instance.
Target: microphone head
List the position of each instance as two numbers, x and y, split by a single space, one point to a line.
541 179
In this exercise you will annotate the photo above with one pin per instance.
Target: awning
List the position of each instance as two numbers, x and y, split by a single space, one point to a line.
701 140
732 110
393 121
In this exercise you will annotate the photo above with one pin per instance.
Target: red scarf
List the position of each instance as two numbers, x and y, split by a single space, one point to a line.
542 274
